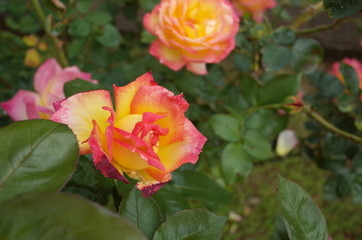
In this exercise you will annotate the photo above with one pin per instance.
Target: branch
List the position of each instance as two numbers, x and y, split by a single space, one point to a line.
56 42
316 116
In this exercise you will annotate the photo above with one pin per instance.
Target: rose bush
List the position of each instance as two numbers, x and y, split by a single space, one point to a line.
255 8
49 81
147 136
192 32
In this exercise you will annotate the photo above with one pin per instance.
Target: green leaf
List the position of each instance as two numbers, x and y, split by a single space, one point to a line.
170 201
275 57
142 212
99 17
110 36
302 217
242 61
257 145
198 186
79 28
60 216
35 155
83 6
306 55
249 89
327 85
79 85
191 224
357 188
267 122
75 48
351 78
235 160
279 88
226 126
284 35
342 8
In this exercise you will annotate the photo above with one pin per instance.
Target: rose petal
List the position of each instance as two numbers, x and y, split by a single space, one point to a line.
79 110
45 73
98 144
286 142
147 191
124 95
156 99
22 106
198 68
174 155
168 56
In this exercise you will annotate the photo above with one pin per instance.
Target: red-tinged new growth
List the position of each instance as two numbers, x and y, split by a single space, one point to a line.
146 136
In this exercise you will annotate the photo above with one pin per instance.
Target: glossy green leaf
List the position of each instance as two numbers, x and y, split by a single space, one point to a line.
198 186
35 155
142 212
235 160
79 28
170 201
342 8
284 35
267 122
257 145
79 85
302 217
279 88
275 57
60 216
306 55
327 84
249 89
110 36
191 224
226 126
351 78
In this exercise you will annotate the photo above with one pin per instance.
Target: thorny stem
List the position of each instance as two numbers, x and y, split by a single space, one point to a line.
316 116
322 27
307 15
56 42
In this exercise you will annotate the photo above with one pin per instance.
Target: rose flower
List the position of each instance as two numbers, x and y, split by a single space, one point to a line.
357 66
49 81
255 8
192 32
146 135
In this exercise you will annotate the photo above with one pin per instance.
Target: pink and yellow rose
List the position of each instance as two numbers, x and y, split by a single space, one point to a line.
192 32
49 81
255 8
353 63
145 136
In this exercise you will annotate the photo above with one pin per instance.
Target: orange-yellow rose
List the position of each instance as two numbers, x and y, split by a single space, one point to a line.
192 32
254 7
145 136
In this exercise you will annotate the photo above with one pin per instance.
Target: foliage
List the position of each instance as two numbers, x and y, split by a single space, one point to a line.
275 78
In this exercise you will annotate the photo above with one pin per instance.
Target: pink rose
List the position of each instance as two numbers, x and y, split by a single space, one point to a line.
49 81
192 32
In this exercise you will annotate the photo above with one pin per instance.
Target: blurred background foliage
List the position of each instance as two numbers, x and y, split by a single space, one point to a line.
241 106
